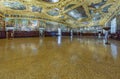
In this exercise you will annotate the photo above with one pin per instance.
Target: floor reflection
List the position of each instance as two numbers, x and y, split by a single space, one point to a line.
71 38
59 40
46 58
114 51
41 41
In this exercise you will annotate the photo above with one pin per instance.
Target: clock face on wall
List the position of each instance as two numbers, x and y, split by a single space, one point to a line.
74 13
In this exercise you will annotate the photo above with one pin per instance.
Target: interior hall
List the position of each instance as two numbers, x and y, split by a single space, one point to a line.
59 39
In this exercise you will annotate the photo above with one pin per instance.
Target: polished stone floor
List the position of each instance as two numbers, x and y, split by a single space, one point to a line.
59 58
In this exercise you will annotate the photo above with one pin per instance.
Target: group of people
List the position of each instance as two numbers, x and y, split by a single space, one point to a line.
106 36
10 34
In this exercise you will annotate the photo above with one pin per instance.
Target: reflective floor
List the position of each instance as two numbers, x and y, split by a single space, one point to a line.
59 58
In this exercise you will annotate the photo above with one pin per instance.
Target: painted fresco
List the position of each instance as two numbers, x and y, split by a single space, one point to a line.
15 5
22 24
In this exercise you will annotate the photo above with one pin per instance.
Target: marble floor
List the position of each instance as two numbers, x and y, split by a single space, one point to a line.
59 58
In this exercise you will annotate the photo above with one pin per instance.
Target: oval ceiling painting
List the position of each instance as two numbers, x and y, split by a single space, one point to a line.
36 9
15 5
51 1
53 12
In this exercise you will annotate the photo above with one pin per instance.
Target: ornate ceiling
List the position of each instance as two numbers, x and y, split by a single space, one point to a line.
75 13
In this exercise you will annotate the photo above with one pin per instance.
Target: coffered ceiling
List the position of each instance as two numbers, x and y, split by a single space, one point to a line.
75 13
